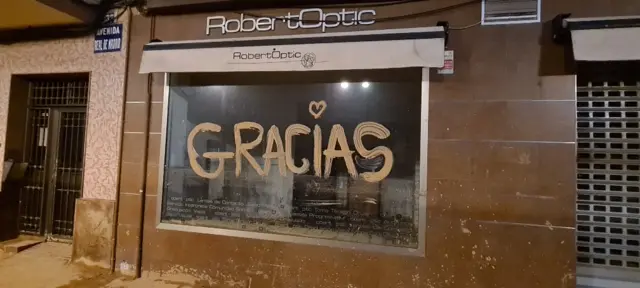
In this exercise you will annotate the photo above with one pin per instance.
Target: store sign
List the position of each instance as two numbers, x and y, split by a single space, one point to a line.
314 18
306 59
108 39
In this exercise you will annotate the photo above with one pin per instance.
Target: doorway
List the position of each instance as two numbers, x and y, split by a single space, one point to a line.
53 147
608 171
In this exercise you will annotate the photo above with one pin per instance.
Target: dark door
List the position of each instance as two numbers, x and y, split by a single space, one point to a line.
54 149
66 170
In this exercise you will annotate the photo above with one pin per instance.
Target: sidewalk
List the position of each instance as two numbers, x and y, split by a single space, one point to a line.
48 266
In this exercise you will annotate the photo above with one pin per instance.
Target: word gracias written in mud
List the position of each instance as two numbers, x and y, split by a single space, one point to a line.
281 151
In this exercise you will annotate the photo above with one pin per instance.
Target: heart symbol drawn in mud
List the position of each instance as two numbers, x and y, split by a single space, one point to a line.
317 108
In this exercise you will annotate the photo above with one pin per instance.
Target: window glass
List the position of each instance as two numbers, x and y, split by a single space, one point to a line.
328 155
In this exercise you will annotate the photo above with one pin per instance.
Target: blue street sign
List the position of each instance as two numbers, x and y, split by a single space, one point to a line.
108 39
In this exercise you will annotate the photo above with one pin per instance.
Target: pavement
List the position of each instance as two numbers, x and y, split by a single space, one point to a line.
48 265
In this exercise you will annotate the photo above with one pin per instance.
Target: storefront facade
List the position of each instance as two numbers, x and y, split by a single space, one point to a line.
337 156
62 109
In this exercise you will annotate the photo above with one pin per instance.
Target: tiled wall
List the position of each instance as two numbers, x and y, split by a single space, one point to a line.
501 171
140 107
105 99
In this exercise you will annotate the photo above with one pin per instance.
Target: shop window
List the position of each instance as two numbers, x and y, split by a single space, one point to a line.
332 157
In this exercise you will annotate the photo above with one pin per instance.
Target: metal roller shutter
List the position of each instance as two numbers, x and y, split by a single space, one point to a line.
608 201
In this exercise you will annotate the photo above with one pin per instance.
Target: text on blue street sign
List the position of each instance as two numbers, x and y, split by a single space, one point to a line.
108 39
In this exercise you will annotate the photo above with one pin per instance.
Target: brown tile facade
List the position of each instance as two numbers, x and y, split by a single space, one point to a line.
501 171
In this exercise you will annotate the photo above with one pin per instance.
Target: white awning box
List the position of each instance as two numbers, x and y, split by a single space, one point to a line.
379 49
605 39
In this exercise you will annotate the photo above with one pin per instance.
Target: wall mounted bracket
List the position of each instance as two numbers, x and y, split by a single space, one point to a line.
445 25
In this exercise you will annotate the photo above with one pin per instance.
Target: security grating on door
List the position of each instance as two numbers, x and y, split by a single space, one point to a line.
58 93
68 170
32 194
608 184
54 150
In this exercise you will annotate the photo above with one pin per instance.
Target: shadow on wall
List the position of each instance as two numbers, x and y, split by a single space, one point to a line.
14 151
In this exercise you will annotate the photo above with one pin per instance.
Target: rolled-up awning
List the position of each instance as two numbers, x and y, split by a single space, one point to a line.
380 49
605 39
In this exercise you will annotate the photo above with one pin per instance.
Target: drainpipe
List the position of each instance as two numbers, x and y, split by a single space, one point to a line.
114 239
145 157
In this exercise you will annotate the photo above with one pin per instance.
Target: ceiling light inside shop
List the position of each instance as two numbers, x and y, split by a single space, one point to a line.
365 84
344 84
